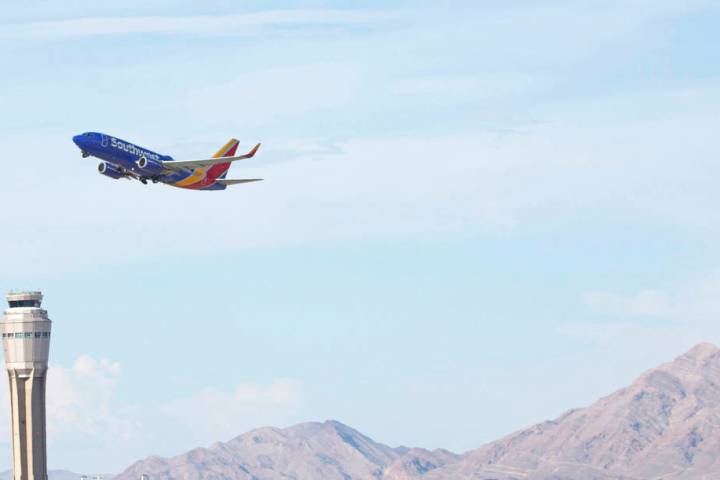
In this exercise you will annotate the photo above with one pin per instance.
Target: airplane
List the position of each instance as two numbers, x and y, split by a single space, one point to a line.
121 159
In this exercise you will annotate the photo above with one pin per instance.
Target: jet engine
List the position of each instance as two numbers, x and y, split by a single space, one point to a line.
148 166
110 170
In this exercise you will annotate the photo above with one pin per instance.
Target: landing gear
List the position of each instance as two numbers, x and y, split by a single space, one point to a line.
155 179
85 154
143 180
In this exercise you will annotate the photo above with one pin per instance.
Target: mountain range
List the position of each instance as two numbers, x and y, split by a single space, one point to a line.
665 425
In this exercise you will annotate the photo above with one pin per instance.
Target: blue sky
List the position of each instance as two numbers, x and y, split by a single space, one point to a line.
474 216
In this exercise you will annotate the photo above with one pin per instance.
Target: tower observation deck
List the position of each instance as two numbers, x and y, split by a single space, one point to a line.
26 342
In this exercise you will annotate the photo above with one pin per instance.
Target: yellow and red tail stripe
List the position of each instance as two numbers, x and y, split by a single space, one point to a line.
202 177
228 150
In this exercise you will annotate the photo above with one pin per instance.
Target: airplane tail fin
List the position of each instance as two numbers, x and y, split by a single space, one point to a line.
227 150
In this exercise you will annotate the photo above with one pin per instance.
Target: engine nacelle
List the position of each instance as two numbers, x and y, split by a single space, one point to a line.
149 166
110 170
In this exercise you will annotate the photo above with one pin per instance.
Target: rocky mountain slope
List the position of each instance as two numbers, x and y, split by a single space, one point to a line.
666 425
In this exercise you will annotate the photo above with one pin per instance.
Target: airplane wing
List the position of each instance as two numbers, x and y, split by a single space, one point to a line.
235 182
182 164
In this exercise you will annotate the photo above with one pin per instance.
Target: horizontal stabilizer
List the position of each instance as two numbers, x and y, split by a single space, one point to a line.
179 164
235 182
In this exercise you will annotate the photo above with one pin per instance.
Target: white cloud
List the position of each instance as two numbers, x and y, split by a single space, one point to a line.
91 429
80 403
694 303
248 24
263 96
463 90
653 322
597 333
214 414
651 303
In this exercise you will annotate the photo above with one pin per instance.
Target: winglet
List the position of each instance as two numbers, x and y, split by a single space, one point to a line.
252 152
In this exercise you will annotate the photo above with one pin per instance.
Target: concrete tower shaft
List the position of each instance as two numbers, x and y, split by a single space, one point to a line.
26 342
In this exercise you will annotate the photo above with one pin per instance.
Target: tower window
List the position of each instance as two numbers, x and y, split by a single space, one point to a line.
24 303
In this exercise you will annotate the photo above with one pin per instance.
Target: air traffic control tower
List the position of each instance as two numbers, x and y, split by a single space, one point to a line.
26 341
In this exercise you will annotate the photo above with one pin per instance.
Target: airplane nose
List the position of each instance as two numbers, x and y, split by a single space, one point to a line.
77 140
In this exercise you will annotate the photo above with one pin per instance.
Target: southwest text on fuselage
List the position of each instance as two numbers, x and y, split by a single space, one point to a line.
132 149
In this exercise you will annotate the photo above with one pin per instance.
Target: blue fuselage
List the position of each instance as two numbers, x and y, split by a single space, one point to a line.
124 156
